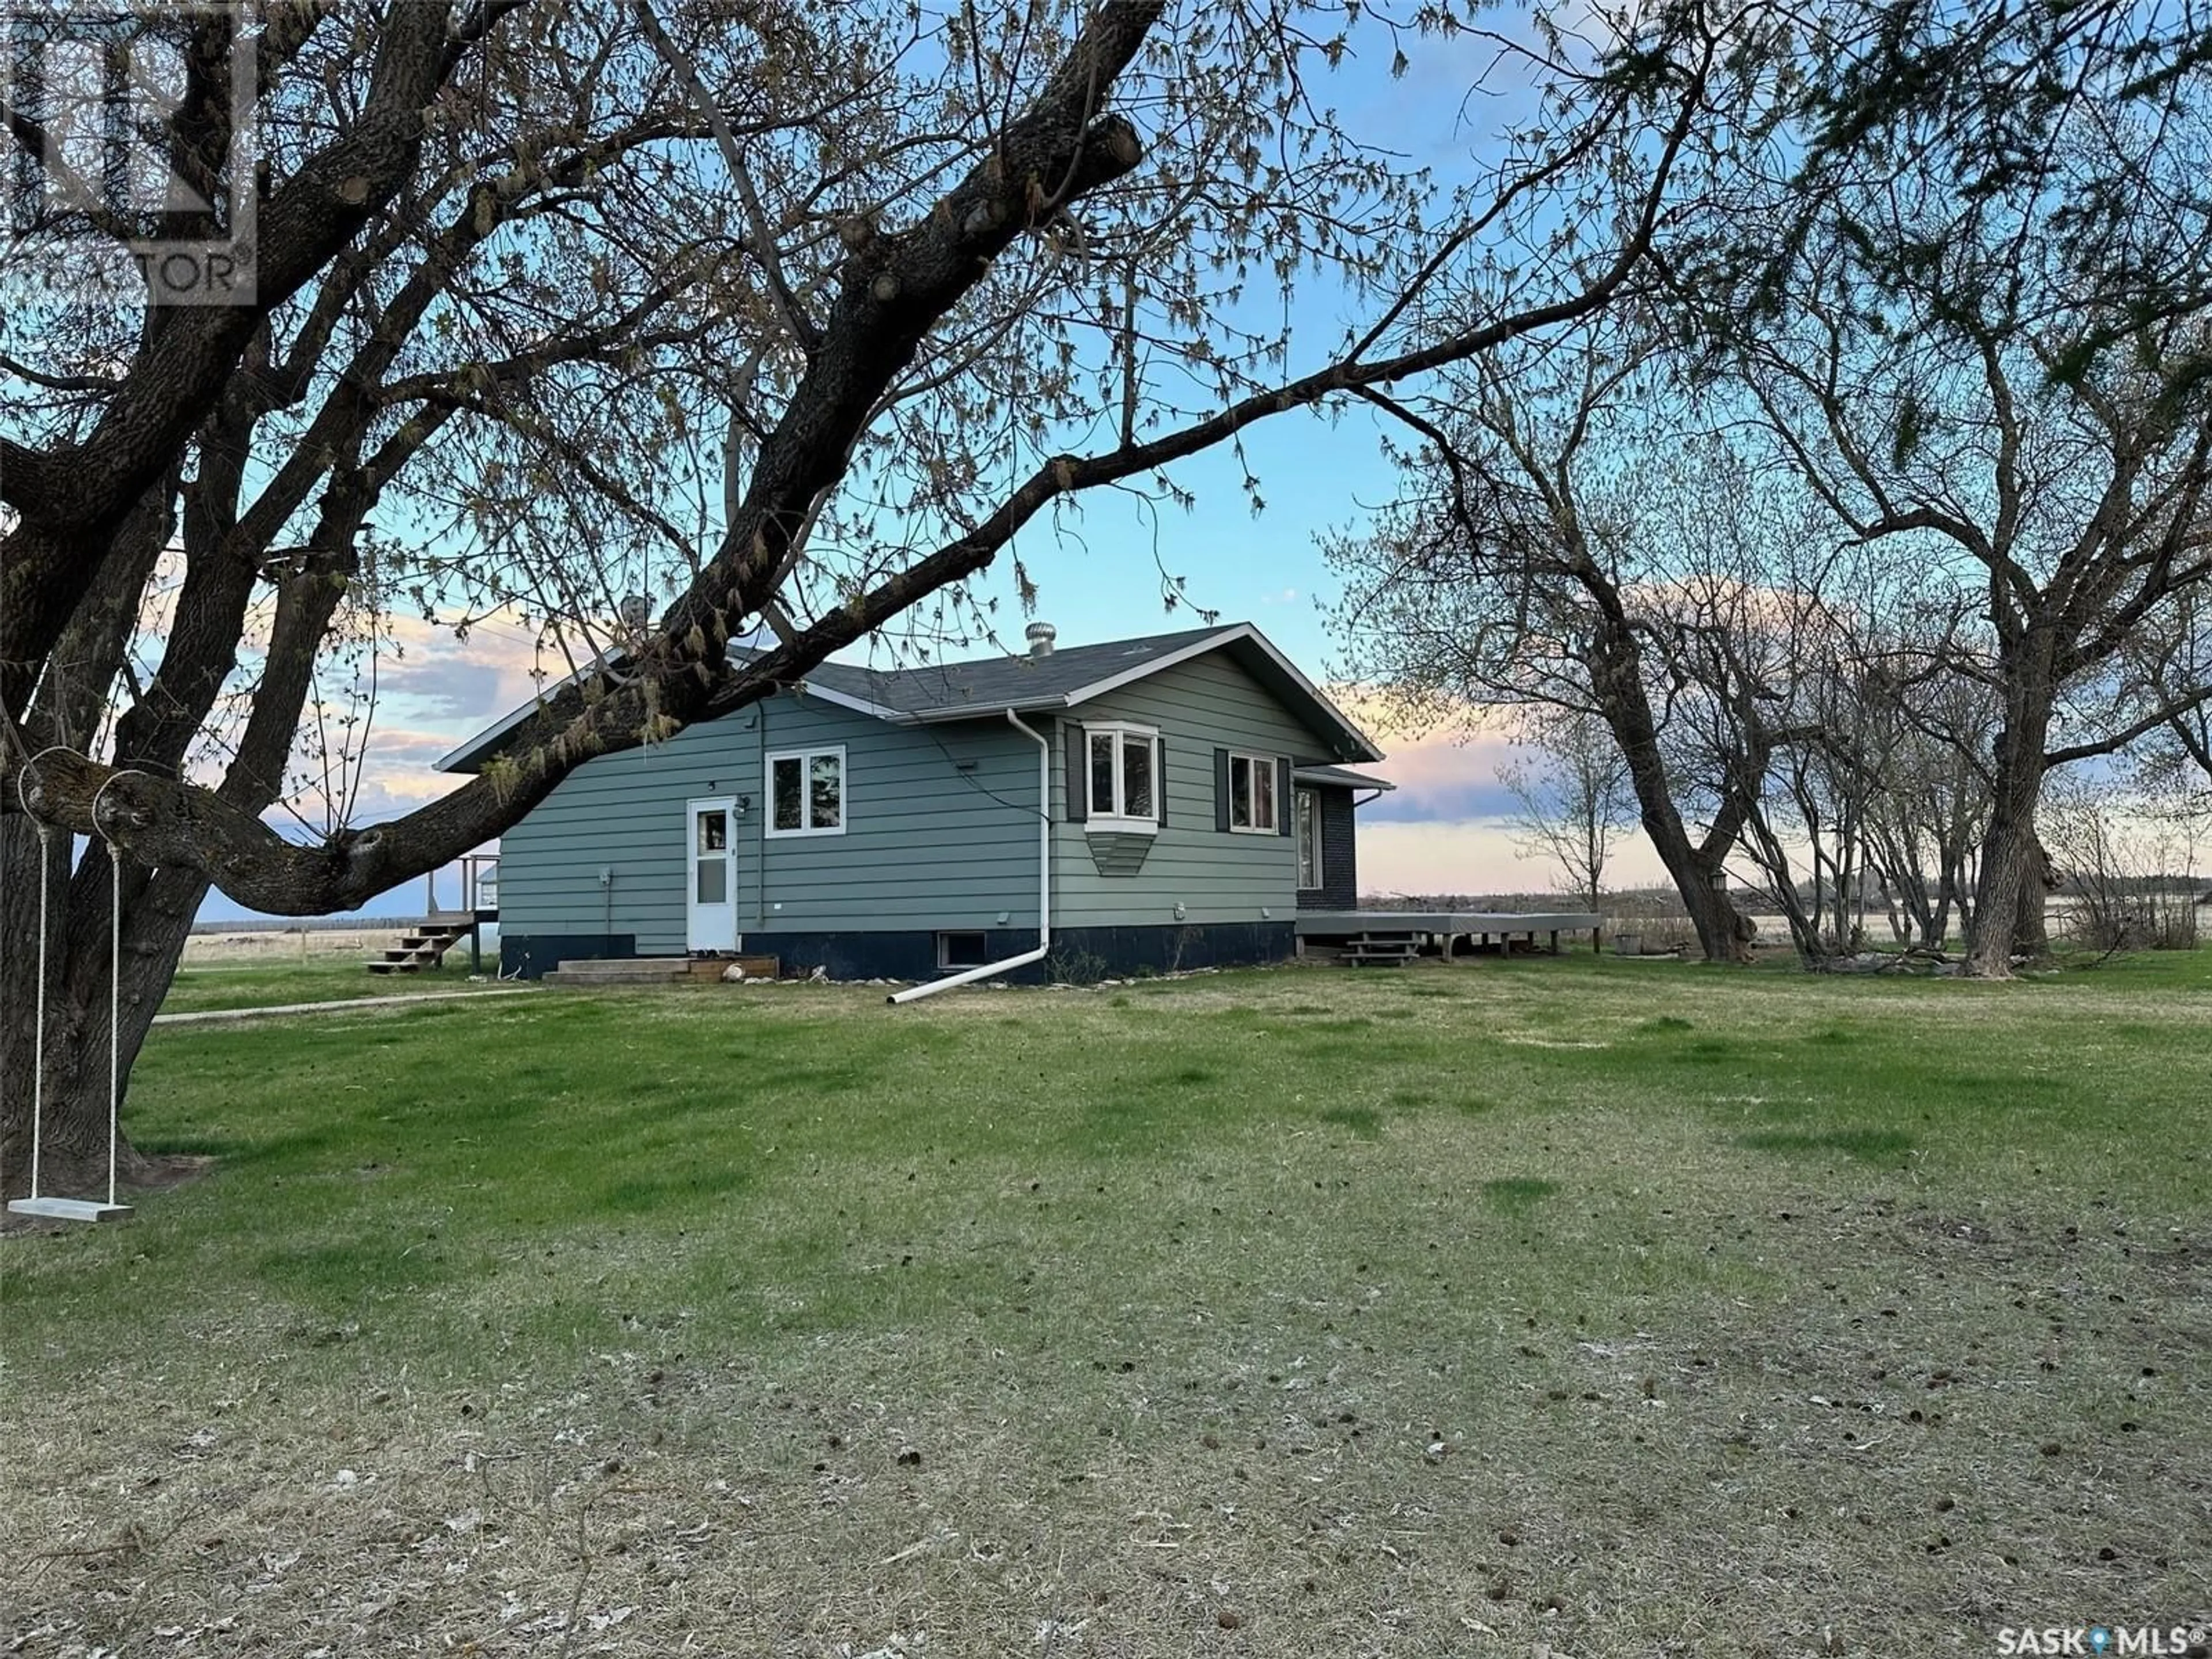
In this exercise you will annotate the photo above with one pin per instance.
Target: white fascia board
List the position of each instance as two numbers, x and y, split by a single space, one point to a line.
1242 631
1338 777
1152 665
858 705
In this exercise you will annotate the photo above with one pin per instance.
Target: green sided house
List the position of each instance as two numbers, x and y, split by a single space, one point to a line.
1166 802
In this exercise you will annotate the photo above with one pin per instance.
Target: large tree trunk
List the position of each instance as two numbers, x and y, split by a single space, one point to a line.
62 1064
1615 664
2014 864
2030 933
1724 933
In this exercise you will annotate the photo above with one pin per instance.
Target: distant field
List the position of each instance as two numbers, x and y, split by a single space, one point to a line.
1560 1306
240 946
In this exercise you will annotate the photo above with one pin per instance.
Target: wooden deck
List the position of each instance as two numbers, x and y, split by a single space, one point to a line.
1358 933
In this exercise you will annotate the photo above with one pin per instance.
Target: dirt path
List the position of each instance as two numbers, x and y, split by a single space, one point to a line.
207 1015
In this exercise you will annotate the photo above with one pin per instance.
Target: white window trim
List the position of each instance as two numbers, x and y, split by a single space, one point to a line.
1274 780
1298 835
1117 822
806 758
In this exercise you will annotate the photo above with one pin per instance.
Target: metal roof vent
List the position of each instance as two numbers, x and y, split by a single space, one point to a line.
1041 636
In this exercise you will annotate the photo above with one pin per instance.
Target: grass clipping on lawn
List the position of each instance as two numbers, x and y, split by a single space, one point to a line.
1559 1307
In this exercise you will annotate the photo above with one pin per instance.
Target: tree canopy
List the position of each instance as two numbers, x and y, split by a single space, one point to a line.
789 316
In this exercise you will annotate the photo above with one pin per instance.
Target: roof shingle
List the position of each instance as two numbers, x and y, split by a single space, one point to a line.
991 683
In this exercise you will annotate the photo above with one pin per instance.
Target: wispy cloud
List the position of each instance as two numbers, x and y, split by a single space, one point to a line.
433 691
1447 773
1446 829
1476 856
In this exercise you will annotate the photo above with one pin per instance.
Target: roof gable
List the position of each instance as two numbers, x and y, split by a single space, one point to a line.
1071 677
991 685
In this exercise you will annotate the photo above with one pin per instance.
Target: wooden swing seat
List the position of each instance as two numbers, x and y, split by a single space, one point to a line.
69 1209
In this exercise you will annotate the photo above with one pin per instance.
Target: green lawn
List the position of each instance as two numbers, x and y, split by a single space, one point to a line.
1578 1306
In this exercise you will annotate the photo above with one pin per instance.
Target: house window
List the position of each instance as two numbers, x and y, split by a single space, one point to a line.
1252 794
1308 812
710 855
806 792
1123 777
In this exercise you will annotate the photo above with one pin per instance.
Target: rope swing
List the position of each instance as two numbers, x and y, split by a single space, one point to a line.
39 1203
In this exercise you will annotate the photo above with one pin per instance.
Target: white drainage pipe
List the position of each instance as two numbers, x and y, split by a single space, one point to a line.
969 976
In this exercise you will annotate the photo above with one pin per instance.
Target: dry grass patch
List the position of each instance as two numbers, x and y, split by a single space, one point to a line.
1271 1314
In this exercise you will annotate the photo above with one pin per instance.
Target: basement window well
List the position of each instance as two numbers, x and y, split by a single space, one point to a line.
962 950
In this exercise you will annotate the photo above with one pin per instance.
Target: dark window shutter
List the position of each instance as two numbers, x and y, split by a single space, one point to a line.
1221 790
1284 815
1160 781
1078 774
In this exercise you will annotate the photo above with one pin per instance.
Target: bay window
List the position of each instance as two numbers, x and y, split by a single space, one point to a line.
1120 780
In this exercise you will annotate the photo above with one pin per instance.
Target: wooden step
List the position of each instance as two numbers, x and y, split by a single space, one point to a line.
621 970
424 944
1373 950
756 967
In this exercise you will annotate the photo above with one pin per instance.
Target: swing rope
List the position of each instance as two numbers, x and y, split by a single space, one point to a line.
39 1001
114 1005
39 1029
114 979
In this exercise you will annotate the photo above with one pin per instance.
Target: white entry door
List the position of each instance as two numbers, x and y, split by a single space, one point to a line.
713 891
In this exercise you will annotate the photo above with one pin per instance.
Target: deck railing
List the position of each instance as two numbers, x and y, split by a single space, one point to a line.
479 888
480 883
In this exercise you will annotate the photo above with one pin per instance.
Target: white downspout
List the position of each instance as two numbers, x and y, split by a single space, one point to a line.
969 976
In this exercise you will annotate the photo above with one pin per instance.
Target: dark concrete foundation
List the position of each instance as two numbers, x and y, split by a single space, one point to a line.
1079 954
533 955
